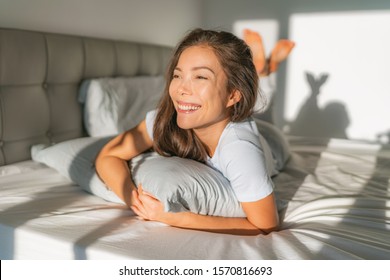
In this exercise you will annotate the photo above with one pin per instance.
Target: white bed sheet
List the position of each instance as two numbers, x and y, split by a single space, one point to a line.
333 197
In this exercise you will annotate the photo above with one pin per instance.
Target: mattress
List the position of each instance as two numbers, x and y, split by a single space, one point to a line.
333 198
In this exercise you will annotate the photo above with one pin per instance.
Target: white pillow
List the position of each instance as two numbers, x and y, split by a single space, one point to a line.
181 184
114 105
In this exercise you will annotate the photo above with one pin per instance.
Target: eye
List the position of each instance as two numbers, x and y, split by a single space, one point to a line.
175 76
200 77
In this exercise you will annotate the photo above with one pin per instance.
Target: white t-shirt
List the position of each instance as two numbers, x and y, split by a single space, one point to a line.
242 156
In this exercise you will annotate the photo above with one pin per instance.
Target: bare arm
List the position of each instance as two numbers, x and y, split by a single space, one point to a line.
111 162
262 216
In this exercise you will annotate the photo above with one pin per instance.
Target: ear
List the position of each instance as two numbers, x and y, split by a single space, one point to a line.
234 98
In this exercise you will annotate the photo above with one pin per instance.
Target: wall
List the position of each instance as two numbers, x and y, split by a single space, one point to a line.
335 81
355 73
151 21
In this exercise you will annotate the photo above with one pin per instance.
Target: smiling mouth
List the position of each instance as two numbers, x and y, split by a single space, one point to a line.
188 108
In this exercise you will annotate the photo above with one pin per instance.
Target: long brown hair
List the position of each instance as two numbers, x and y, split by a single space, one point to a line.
236 60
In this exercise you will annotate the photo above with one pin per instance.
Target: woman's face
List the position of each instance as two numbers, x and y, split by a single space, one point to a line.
198 90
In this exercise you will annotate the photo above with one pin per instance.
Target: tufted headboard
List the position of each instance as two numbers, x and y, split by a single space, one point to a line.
40 74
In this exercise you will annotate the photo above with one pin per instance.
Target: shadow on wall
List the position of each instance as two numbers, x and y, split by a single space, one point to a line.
329 122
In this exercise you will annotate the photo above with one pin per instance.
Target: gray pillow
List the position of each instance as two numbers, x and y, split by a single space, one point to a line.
181 184
185 184
74 159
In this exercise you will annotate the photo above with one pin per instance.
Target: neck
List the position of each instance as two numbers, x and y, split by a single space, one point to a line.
211 134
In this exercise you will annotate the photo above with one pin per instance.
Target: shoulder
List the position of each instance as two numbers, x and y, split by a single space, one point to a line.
243 160
241 132
238 141
241 145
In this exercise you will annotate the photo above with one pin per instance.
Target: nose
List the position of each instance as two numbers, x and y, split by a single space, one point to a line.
184 87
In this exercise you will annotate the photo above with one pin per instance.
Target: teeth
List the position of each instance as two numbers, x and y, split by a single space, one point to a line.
188 107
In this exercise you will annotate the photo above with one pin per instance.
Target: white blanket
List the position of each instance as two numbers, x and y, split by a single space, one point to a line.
334 198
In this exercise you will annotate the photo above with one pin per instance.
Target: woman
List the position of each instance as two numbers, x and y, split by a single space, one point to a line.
204 115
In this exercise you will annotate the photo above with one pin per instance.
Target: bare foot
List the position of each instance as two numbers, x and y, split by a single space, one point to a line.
279 53
255 43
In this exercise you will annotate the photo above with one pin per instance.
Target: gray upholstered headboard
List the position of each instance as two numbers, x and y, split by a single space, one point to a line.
40 74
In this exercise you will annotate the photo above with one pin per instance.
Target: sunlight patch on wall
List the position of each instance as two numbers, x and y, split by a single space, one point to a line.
345 57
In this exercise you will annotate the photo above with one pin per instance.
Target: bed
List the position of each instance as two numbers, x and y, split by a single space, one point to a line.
333 194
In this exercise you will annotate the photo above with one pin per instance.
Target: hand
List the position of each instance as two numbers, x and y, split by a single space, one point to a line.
147 206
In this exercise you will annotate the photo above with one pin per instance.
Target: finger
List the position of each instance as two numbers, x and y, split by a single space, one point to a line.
138 213
142 191
150 195
136 199
139 204
134 194
147 201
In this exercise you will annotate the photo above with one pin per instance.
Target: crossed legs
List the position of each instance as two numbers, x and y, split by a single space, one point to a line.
265 66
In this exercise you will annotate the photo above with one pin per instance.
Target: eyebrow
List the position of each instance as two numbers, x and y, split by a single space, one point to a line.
198 68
